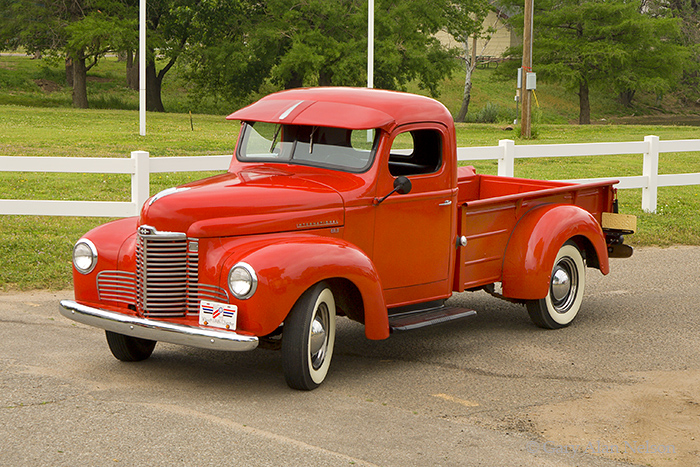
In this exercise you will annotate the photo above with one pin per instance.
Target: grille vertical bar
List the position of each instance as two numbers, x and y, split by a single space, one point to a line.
192 277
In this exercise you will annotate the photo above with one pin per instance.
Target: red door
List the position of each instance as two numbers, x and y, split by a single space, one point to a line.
413 241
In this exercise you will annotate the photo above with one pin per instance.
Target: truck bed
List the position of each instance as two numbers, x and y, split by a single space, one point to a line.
490 208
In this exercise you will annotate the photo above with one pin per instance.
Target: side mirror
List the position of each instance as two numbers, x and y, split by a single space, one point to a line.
402 185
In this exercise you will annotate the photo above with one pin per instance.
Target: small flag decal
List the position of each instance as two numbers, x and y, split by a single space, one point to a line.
220 315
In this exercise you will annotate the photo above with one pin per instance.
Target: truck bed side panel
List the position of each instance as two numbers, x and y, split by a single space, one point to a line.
487 231
489 214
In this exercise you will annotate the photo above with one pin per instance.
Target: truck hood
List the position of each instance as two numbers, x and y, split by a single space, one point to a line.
253 201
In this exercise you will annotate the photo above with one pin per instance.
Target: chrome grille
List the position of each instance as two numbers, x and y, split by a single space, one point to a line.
211 293
117 286
162 272
167 279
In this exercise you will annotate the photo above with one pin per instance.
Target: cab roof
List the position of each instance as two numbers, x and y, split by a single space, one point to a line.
342 107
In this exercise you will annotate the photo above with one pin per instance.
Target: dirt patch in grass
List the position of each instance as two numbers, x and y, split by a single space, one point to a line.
48 86
692 120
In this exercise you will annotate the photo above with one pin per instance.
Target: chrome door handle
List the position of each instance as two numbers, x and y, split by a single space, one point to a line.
447 202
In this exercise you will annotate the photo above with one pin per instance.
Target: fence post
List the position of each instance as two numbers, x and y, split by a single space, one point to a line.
650 170
140 179
506 162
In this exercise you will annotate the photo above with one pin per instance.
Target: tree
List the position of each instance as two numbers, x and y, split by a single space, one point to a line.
583 43
232 48
168 30
89 38
688 12
325 42
295 43
81 31
470 57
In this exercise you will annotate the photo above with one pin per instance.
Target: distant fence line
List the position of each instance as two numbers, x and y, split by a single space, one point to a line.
140 166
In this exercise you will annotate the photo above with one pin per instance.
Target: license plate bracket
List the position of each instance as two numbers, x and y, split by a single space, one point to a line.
219 315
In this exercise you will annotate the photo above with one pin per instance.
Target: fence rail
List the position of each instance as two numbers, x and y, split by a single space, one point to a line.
140 165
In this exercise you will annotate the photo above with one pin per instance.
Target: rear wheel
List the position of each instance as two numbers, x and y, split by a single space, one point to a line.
308 338
129 349
563 301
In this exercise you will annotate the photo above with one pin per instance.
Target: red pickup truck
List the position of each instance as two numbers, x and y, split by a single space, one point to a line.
338 202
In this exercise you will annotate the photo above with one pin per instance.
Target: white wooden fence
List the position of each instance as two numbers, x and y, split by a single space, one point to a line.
649 181
141 165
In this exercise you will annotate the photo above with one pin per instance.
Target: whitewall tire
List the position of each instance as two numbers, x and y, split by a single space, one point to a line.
563 301
308 338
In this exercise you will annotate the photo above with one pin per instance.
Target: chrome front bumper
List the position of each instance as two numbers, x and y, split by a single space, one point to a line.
194 336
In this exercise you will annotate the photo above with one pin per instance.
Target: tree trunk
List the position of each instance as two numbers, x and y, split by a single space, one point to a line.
462 115
470 60
584 116
626 97
295 81
325 78
80 99
132 71
154 82
69 72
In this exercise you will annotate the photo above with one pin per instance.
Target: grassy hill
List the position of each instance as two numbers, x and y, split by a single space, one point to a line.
41 83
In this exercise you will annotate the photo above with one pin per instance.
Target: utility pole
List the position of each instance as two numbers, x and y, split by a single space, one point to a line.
370 44
370 55
142 67
526 68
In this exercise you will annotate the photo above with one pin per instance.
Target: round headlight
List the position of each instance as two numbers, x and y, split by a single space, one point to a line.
242 281
84 256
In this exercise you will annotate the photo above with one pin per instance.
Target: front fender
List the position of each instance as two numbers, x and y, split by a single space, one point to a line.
111 240
287 267
535 242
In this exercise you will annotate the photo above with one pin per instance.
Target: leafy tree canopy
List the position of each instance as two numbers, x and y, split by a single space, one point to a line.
611 43
80 31
324 42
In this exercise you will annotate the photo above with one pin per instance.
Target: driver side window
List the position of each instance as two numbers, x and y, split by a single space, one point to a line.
416 152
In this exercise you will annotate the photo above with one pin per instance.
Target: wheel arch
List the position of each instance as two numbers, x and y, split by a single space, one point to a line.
535 242
588 250
348 298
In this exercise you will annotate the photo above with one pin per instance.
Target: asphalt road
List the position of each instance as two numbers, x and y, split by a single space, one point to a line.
460 394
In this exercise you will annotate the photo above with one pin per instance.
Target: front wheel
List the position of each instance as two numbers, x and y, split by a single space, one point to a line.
308 338
129 349
563 301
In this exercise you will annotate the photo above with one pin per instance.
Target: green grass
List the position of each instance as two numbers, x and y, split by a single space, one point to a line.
36 250
33 131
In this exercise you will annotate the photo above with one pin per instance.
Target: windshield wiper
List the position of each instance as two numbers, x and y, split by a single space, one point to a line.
311 139
274 138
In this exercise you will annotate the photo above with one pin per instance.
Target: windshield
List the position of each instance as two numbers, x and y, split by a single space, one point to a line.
318 146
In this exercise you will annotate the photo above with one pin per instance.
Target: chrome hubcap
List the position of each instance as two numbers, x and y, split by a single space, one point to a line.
564 285
318 341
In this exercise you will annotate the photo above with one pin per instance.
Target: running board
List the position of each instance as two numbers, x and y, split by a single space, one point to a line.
421 318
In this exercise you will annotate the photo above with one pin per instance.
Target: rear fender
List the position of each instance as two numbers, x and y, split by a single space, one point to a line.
535 242
286 268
